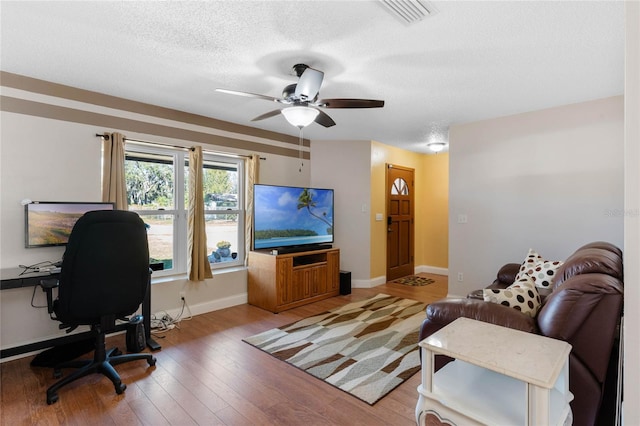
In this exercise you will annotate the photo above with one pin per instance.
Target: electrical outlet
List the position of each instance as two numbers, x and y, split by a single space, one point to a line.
182 296
460 276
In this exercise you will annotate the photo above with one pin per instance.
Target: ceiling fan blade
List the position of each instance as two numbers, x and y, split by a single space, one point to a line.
350 103
309 84
324 120
267 115
248 95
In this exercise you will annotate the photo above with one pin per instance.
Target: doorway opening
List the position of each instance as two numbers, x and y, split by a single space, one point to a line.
400 221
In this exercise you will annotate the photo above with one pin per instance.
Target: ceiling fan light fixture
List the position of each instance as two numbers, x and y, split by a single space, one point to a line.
300 116
436 146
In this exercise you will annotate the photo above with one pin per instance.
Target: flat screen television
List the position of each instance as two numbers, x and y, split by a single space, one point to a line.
48 223
294 217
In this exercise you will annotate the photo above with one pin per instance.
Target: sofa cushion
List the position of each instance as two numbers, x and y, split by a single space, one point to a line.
522 295
542 271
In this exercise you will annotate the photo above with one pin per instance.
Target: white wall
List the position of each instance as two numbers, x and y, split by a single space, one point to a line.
345 166
550 180
279 170
631 409
56 160
39 159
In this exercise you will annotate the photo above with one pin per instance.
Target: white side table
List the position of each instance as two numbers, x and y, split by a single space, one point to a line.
500 376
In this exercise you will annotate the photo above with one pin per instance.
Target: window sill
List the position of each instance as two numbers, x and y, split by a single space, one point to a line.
185 276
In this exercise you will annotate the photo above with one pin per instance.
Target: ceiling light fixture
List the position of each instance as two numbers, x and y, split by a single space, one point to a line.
300 116
436 146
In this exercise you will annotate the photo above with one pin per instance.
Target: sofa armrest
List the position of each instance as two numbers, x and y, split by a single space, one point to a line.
505 277
445 311
507 274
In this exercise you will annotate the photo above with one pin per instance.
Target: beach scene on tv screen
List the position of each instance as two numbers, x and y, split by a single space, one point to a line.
51 224
292 216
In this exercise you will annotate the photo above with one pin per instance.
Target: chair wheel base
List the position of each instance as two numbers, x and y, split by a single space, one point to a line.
52 399
152 361
120 387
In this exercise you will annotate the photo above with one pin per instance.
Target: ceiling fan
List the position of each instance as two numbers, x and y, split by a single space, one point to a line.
302 98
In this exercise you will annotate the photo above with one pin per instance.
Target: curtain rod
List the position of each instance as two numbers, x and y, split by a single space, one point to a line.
106 136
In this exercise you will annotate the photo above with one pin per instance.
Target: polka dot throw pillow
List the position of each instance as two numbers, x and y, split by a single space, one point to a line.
542 271
522 295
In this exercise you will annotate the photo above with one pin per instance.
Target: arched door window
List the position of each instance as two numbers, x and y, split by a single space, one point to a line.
400 187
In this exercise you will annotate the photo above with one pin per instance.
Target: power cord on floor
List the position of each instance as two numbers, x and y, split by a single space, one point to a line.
184 305
166 322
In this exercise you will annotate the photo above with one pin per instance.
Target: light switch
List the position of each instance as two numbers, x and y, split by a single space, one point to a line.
378 217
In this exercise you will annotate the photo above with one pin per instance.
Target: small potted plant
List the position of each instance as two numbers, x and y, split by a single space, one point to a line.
223 248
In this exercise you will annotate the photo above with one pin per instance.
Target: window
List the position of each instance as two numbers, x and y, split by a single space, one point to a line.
400 187
157 189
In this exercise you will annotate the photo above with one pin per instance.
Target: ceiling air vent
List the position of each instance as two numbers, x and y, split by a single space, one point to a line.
409 11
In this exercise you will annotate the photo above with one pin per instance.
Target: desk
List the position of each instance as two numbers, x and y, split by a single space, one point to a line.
13 278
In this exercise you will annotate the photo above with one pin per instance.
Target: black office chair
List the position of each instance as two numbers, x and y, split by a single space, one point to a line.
104 277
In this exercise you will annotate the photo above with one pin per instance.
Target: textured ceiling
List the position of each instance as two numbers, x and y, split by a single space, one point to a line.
467 62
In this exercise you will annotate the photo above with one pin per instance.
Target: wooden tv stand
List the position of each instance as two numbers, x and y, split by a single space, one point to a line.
278 282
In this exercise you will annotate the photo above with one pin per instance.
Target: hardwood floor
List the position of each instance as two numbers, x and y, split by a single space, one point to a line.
206 375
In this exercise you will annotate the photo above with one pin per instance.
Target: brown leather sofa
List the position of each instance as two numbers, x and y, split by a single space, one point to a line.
583 307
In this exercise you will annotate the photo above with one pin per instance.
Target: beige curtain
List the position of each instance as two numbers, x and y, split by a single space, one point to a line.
253 171
114 188
198 264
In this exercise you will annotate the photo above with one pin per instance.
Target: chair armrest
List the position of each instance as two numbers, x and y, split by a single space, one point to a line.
47 286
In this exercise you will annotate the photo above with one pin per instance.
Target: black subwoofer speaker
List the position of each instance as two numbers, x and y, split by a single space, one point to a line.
345 282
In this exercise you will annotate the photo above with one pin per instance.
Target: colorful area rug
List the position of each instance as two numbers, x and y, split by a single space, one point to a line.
365 348
414 280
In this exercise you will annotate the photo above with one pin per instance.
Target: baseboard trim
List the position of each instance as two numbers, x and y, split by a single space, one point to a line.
210 306
373 282
34 348
432 270
368 283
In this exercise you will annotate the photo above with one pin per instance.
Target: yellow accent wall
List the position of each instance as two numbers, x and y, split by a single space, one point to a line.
431 206
434 239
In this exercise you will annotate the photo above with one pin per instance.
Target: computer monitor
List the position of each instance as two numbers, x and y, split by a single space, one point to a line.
49 223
